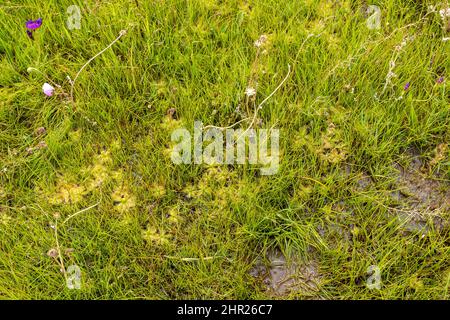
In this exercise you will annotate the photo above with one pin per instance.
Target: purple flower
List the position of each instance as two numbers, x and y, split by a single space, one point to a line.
33 24
48 89
440 80
407 86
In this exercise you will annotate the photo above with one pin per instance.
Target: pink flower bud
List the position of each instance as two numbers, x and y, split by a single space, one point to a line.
48 89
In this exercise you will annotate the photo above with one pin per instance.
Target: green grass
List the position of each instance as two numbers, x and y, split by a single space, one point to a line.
166 231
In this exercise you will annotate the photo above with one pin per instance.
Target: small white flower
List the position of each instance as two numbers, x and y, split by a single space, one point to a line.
390 75
262 39
250 92
445 39
444 13
48 89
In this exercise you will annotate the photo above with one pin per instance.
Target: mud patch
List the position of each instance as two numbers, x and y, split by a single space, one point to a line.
364 182
422 193
422 223
424 201
281 278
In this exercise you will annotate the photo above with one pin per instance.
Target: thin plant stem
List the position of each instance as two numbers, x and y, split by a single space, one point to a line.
256 108
265 100
58 248
81 211
121 33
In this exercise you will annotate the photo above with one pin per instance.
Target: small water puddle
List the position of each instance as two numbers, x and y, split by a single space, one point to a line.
281 277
